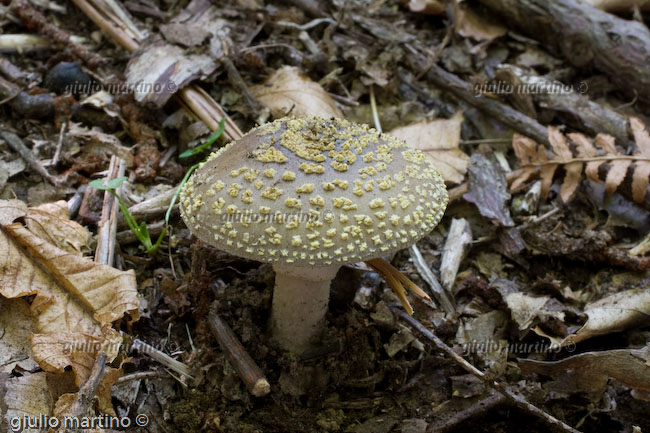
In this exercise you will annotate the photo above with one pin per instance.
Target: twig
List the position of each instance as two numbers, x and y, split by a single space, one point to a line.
591 116
23 44
59 143
86 394
262 112
246 368
125 237
517 400
140 375
593 158
106 240
115 32
34 20
17 144
309 6
373 107
586 36
487 140
162 358
74 203
458 243
428 276
11 71
154 206
500 111
192 97
480 407
307 26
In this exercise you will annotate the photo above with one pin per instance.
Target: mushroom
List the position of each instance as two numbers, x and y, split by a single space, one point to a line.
308 195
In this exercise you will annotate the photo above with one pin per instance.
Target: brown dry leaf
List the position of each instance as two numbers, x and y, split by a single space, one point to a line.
429 7
587 150
50 222
480 28
485 337
641 175
76 299
533 158
525 309
10 210
64 407
614 313
589 372
288 91
616 174
439 140
573 170
524 148
93 141
16 326
66 401
26 395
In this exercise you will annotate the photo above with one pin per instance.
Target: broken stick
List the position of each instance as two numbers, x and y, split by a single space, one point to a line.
246 368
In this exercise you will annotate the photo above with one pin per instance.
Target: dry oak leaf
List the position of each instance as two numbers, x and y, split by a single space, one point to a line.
614 313
76 299
589 372
590 157
290 92
439 140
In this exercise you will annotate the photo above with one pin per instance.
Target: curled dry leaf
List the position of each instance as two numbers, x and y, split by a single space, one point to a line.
76 299
290 92
439 140
589 372
591 156
614 313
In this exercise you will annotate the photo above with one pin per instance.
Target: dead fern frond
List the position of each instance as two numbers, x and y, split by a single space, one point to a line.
591 156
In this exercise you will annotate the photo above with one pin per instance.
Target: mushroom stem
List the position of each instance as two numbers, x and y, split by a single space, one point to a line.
300 300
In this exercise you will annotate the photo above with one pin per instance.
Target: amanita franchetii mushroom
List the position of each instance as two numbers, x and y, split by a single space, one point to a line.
308 195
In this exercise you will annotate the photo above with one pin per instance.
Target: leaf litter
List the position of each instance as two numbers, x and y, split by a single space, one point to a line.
570 303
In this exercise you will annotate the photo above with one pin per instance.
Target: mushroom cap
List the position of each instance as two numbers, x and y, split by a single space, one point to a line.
312 191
